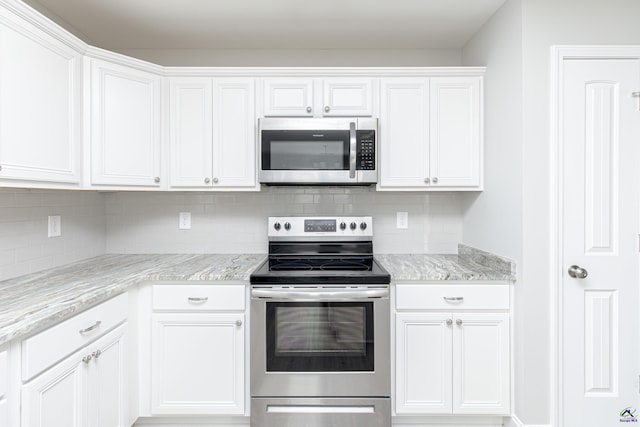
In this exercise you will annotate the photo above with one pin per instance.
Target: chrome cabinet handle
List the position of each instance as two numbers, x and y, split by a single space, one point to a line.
198 300
0 167
207 180
87 358
449 322
577 272
453 299
309 109
156 179
96 354
327 109
215 180
427 180
238 322
459 322
435 180
637 95
90 328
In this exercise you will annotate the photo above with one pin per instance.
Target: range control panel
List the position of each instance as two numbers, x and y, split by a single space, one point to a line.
326 226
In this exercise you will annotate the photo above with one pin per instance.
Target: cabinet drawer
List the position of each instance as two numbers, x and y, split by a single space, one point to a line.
4 373
198 297
452 297
50 346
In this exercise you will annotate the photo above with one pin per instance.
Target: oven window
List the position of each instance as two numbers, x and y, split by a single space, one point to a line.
319 337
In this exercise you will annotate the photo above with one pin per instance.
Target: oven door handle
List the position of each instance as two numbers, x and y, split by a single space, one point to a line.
308 295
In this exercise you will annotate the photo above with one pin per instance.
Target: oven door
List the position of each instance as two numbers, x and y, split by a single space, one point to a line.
330 341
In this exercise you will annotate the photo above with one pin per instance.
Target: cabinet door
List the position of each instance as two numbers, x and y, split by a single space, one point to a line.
234 135
108 380
57 397
423 363
481 372
455 132
40 105
197 363
404 133
288 97
191 125
125 126
347 97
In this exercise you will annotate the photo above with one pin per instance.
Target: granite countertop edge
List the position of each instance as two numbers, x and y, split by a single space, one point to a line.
36 301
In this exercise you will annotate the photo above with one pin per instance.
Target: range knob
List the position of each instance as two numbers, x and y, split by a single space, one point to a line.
343 226
352 226
277 226
363 226
287 226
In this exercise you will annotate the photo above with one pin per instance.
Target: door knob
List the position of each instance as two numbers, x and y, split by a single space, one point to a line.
577 272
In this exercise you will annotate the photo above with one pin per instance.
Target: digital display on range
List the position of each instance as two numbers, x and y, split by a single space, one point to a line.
319 225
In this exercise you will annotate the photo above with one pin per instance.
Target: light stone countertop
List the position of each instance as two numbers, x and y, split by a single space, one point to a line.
469 264
36 301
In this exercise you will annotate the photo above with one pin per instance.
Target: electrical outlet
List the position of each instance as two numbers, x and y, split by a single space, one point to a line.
54 226
402 220
184 222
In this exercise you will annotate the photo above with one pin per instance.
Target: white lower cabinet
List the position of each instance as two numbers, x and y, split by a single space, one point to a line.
87 389
4 387
197 351
455 361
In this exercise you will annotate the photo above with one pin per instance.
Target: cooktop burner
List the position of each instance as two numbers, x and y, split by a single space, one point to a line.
320 250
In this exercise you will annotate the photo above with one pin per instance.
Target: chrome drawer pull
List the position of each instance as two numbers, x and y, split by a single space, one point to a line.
90 328
198 300
453 299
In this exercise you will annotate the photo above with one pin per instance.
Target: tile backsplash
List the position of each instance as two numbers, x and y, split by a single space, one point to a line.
236 222
147 222
24 245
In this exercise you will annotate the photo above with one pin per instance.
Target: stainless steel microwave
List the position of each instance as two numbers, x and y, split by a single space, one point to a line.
317 151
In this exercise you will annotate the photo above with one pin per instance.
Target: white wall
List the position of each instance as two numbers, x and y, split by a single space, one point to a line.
236 222
24 245
493 219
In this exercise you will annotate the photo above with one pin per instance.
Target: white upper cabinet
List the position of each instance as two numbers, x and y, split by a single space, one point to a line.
347 97
431 133
40 107
308 97
455 132
404 133
191 127
212 133
124 126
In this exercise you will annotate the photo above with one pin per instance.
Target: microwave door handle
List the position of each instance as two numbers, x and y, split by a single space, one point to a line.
352 150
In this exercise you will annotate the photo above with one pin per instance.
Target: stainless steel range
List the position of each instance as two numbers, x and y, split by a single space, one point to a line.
320 327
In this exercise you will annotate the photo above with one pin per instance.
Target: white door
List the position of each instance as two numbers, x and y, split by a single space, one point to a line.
481 368
455 142
234 134
191 131
197 363
108 380
57 397
404 133
423 363
347 97
288 97
125 126
600 199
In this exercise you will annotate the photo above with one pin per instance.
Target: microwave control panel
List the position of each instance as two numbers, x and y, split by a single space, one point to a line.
366 147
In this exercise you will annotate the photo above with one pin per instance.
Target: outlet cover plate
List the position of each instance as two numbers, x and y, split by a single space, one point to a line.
54 226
